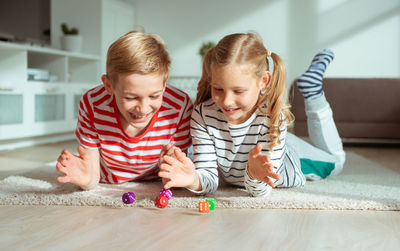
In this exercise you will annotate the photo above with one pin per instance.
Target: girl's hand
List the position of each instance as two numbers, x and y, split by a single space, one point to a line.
179 171
259 167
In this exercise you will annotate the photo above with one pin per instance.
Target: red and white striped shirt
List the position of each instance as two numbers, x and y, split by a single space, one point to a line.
124 158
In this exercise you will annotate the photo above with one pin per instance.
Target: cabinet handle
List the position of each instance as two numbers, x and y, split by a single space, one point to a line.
51 90
5 89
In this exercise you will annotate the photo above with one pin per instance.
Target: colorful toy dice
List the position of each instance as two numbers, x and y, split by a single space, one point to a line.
163 198
166 193
161 201
128 198
211 201
204 207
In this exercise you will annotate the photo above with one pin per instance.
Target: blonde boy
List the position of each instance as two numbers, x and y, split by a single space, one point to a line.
124 123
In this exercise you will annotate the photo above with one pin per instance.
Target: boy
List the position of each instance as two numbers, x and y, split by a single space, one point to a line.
124 123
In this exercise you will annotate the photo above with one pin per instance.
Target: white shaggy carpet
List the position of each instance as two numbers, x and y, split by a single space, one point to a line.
363 185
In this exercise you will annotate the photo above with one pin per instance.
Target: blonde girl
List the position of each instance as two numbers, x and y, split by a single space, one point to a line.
239 123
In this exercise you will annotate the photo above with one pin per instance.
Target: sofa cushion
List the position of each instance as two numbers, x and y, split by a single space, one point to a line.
362 108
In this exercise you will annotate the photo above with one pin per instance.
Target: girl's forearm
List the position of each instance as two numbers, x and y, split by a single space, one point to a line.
196 185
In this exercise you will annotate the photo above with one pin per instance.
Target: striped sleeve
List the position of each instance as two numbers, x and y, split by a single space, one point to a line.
181 137
85 130
204 158
257 188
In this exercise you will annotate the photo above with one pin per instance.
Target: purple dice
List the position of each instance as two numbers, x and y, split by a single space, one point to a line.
166 193
128 198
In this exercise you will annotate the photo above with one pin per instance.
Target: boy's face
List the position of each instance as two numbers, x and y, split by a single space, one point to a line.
138 98
235 91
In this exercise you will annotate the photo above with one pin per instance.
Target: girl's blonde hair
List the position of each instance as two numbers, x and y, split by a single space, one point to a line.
137 52
248 49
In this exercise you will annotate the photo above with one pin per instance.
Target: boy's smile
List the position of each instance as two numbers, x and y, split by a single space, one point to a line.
138 98
140 118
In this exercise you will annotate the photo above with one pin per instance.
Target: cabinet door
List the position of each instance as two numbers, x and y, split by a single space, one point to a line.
77 93
11 109
77 99
13 113
50 107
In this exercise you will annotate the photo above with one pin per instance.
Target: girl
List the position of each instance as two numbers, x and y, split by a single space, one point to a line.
239 124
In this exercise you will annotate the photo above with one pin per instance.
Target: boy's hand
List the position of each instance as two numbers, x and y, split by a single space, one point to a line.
79 170
259 167
166 150
179 171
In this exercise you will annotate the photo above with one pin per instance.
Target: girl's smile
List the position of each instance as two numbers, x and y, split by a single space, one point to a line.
235 90
230 111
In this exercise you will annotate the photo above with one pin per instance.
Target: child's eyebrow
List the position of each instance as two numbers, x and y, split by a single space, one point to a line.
158 91
134 94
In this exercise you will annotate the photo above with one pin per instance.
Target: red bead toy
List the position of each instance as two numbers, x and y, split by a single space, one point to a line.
161 201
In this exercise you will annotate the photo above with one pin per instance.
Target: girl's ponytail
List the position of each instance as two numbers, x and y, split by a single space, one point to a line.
277 108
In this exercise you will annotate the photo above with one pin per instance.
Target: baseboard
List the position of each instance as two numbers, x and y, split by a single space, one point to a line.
32 141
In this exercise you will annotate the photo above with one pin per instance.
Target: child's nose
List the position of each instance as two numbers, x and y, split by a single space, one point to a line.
144 106
227 100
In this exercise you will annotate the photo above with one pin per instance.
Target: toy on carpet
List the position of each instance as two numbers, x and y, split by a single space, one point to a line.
162 199
128 198
167 193
204 207
212 202
207 205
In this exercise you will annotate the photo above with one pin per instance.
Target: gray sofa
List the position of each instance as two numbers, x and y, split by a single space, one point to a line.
365 110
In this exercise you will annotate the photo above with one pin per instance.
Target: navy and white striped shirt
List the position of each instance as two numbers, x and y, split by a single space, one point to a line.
219 145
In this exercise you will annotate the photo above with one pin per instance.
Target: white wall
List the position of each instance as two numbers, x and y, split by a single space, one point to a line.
365 34
75 14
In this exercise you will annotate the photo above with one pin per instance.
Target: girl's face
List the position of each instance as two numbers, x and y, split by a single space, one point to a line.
235 90
138 98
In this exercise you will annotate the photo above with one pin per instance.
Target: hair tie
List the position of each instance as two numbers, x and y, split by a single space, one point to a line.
269 53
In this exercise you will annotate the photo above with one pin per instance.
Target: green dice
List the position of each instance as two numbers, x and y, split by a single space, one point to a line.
211 202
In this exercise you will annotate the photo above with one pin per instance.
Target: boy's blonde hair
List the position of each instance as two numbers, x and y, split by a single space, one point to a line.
137 52
248 49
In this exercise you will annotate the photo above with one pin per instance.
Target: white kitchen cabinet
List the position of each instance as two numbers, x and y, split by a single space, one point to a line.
33 108
37 108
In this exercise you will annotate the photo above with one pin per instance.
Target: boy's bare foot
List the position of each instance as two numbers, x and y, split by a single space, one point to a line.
79 170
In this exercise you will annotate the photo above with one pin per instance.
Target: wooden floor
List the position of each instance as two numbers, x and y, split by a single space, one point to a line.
100 228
